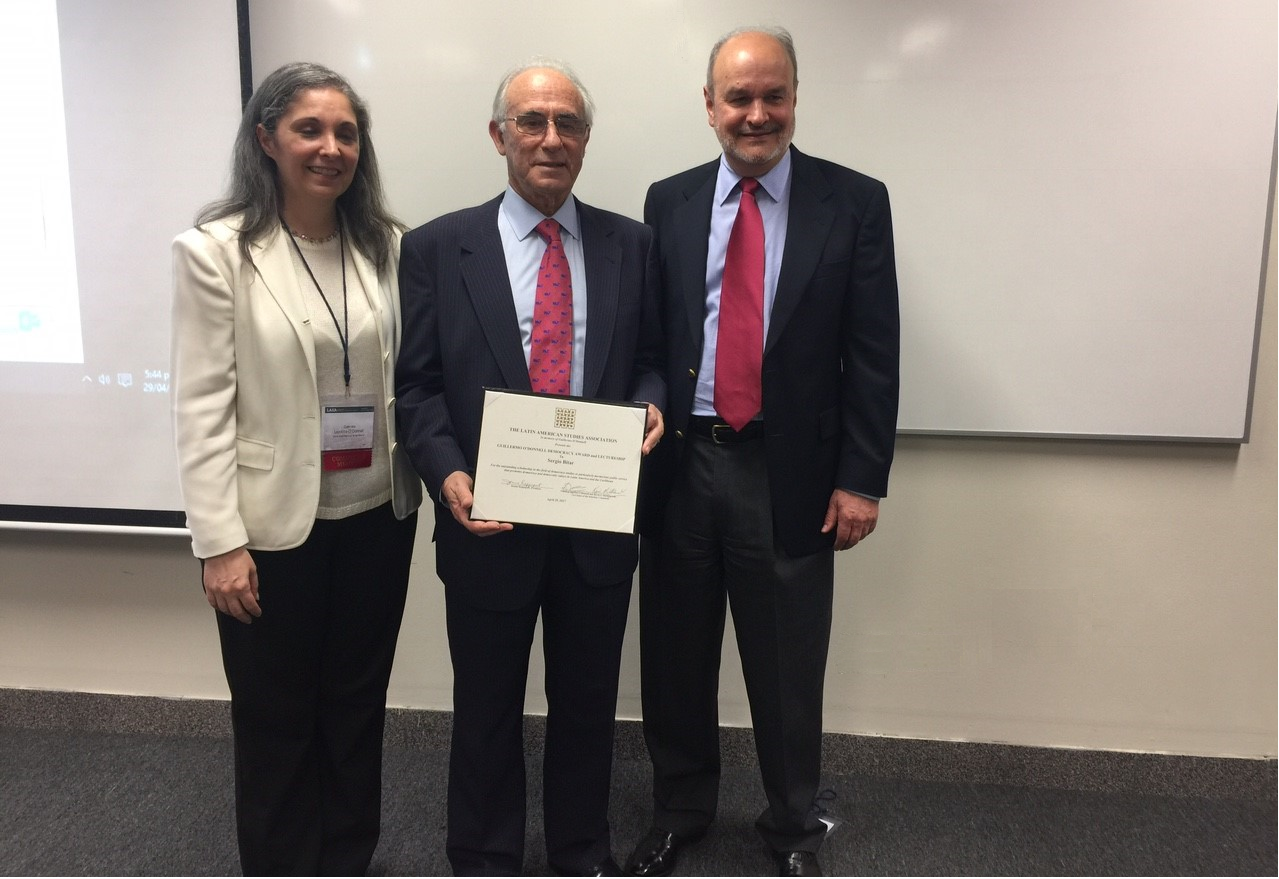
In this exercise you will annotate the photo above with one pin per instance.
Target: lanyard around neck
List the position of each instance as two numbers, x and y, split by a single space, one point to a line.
343 329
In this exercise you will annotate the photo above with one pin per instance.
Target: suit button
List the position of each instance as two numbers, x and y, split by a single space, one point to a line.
679 434
692 373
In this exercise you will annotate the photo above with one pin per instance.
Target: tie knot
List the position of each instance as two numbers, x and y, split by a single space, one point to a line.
549 229
749 185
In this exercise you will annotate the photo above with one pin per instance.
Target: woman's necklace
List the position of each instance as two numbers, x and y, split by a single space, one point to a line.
314 240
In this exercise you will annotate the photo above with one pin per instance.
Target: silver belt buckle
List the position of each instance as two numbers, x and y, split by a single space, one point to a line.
715 429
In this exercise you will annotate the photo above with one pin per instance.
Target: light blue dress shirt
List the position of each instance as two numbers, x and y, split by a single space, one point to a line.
773 198
523 247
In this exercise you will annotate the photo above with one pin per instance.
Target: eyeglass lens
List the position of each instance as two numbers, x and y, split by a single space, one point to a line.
535 124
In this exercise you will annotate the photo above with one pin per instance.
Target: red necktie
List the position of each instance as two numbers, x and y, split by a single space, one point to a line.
551 346
739 348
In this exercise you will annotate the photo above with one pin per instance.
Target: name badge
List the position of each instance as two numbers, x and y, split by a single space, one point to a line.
346 425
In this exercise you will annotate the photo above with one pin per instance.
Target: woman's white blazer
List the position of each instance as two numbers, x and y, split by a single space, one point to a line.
246 408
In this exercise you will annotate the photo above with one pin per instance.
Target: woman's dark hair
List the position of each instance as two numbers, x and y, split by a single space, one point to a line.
255 181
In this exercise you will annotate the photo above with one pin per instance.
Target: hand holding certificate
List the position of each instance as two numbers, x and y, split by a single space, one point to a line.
561 461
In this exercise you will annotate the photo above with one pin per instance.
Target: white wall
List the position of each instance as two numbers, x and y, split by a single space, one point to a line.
1081 594
1048 164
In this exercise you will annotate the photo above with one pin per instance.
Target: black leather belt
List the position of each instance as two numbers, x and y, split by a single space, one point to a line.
718 432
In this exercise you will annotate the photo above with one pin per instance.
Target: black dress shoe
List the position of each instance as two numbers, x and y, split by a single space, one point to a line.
797 864
606 867
654 855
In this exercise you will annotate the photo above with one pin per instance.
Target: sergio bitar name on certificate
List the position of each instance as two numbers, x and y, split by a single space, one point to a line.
568 462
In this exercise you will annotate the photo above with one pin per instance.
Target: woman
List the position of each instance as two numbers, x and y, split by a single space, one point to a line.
301 507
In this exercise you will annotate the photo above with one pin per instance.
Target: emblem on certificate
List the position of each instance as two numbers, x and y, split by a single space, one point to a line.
563 461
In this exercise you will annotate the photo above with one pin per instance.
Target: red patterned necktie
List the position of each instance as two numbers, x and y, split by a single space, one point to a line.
551 347
739 347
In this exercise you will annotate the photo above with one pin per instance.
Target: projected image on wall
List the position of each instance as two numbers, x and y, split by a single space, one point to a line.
121 115
39 305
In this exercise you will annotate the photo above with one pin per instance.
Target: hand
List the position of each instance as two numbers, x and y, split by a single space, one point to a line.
456 493
231 584
851 516
654 427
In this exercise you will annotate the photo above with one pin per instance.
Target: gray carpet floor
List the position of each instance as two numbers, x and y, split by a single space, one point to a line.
130 804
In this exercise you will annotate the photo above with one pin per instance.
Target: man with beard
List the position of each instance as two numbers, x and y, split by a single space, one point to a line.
780 305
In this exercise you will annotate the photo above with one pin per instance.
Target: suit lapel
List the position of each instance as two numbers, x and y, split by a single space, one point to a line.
808 225
376 294
603 258
484 275
692 226
273 261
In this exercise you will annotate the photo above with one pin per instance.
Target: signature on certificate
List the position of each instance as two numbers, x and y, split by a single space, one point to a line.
523 484
589 491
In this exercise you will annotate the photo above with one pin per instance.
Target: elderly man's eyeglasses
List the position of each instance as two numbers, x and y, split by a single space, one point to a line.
534 125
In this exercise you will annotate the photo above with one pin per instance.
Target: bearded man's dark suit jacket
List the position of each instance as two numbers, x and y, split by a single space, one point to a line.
830 386
461 334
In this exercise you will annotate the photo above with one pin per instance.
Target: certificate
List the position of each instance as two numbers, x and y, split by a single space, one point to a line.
555 460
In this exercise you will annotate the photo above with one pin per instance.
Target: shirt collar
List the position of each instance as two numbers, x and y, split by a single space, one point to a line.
775 182
524 218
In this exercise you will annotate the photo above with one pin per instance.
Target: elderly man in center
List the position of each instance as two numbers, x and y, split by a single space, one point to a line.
470 286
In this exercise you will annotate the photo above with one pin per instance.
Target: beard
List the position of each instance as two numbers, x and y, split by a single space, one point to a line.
739 147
